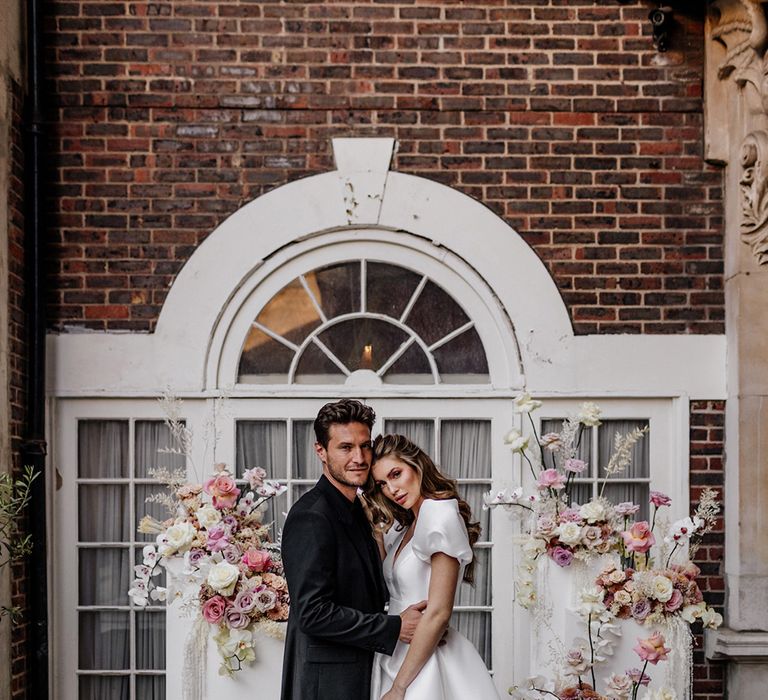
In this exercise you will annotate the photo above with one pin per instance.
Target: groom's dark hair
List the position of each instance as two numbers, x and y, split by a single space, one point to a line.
341 412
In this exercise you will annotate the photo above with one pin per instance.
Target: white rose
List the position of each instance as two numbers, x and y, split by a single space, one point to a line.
569 533
180 536
662 588
616 576
515 440
525 404
623 598
593 512
589 414
222 577
207 516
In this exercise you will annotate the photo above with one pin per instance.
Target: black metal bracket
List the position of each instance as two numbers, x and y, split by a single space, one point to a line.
661 23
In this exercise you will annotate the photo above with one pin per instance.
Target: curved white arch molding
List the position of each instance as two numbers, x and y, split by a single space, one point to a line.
364 195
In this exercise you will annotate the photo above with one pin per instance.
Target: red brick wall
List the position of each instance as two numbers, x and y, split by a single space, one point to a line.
557 114
17 369
707 469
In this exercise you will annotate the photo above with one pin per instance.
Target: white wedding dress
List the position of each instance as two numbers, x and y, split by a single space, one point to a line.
455 670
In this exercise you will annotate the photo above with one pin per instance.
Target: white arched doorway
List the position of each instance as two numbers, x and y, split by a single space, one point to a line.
104 387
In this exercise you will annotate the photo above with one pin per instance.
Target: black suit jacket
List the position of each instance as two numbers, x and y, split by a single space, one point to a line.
337 597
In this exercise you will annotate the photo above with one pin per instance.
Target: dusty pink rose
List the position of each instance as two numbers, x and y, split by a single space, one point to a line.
256 559
675 601
550 479
641 609
652 649
575 465
254 477
217 539
639 537
223 490
660 499
561 556
570 515
626 508
236 619
213 609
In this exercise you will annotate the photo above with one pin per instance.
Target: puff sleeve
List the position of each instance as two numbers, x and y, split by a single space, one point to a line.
440 528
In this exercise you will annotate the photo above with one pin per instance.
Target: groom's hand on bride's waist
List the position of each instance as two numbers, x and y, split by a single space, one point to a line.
410 618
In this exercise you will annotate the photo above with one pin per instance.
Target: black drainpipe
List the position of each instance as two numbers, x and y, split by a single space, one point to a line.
34 446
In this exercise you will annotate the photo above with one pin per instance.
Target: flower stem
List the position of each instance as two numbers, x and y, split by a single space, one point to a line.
530 464
669 558
591 652
538 442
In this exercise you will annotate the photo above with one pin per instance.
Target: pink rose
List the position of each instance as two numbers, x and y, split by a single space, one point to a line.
213 609
561 556
570 515
237 619
254 477
551 479
223 490
652 649
660 499
675 601
217 539
574 465
256 559
639 537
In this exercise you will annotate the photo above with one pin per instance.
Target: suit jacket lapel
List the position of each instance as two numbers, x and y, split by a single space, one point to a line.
356 535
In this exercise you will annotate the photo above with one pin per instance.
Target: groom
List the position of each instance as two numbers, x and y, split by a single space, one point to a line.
333 570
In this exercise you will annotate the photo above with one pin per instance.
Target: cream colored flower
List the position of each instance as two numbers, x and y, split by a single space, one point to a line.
525 404
569 533
662 588
593 512
179 537
516 441
711 619
223 577
691 613
589 414
623 598
616 576
208 516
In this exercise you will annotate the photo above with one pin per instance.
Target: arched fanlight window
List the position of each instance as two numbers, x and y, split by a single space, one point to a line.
362 321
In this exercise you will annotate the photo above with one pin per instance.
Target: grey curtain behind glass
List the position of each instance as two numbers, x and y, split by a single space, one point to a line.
420 432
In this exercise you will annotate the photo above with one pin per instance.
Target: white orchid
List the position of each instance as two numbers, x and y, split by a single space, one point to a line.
504 498
516 440
711 619
525 404
589 414
682 530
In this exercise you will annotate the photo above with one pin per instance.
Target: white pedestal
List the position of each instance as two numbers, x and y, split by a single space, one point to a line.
556 628
260 679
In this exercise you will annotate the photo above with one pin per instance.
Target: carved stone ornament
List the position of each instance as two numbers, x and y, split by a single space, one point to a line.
742 28
754 194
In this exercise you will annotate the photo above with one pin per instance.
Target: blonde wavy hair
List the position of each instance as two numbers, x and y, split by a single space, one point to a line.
434 485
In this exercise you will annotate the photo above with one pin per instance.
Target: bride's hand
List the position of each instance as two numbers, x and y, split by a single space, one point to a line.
394 694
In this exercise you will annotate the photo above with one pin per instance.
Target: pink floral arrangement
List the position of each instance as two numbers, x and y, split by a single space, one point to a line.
649 597
228 559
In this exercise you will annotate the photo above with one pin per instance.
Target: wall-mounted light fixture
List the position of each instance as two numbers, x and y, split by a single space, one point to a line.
661 22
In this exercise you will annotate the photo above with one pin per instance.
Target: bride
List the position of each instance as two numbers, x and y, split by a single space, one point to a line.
426 554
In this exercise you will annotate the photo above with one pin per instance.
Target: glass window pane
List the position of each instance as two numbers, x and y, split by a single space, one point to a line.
150 640
435 314
306 463
412 367
102 449
262 443
101 687
104 576
275 514
475 626
617 492
390 288
158 511
465 448
264 359
336 288
584 449
152 437
315 367
103 514
480 592
103 641
290 313
150 687
639 467
420 432
462 360
473 494
581 493
363 343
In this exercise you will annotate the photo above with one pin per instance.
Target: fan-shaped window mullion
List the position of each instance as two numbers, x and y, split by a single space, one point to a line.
275 336
313 298
453 334
414 298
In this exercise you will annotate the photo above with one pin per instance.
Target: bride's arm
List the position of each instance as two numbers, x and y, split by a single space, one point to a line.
442 589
